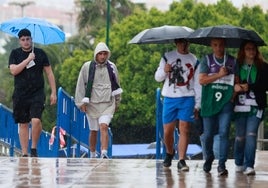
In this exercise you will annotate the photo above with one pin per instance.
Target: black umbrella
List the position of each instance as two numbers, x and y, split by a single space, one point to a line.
161 35
233 35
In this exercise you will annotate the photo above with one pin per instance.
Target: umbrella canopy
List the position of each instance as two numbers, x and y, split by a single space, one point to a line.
42 31
161 35
233 35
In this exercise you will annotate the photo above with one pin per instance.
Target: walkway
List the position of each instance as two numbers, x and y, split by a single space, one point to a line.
122 173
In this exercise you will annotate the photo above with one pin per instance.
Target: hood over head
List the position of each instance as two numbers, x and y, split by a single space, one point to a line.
100 48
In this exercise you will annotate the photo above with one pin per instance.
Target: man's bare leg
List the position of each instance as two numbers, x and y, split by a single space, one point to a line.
36 131
184 128
169 142
92 143
104 139
169 136
24 137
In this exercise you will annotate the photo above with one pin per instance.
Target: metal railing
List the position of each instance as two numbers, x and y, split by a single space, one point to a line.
75 123
69 118
9 138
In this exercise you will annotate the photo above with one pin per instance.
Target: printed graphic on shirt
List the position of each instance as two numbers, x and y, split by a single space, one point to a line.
180 74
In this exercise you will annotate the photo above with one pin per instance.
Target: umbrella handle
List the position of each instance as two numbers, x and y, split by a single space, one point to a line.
33 40
32 46
224 58
164 57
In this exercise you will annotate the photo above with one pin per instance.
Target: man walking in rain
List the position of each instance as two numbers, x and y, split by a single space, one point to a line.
181 101
218 74
27 65
98 94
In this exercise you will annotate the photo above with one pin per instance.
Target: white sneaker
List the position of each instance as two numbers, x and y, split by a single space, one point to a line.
249 171
239 168
104 156
93 155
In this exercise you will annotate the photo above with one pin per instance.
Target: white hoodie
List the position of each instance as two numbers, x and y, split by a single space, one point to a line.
102 102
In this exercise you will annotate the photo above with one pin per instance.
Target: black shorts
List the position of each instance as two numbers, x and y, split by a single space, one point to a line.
26 109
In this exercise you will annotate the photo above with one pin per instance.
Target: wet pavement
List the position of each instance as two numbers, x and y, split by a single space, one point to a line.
123 173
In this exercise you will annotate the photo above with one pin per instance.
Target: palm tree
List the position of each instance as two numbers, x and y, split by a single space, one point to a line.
93 13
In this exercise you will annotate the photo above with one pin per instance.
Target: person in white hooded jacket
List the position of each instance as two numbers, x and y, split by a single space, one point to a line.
182 98
98 94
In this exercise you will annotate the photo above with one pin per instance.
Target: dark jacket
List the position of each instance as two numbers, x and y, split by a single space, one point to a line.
261 86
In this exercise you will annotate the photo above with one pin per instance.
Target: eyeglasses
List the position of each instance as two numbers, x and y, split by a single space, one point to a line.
25 39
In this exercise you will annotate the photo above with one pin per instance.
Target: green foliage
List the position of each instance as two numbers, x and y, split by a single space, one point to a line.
69 71
5 82
93 14
6 79
232 12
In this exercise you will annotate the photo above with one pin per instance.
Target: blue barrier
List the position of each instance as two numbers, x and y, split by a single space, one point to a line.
9 130
75 123
159 125
69 118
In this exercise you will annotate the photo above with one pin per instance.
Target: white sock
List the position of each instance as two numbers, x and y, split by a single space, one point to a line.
104 152
93 154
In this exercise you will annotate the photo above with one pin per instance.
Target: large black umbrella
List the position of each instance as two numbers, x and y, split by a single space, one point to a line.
233 35
161 35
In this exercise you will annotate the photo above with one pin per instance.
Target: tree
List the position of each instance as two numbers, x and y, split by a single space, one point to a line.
93 16
69 70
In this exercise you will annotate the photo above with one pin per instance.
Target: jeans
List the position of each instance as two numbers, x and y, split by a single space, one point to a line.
215 146
246 140
218 124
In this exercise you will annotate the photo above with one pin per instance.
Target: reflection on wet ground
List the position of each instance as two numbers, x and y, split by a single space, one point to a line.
125 173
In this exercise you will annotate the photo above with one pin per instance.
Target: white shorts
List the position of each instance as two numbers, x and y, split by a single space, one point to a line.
94 123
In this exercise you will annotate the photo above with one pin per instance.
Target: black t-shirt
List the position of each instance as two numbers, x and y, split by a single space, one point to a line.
30 82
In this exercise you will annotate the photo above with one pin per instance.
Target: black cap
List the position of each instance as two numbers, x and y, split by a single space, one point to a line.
25 33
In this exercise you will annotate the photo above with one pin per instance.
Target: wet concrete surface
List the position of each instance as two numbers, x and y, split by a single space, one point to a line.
123 173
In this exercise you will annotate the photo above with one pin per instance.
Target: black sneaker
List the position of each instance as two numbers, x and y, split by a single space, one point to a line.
222 171
34 152
24 155
207 164
168 159
182 165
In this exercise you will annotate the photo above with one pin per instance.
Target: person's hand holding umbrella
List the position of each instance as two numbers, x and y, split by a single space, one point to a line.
223 71
167 68
31 58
